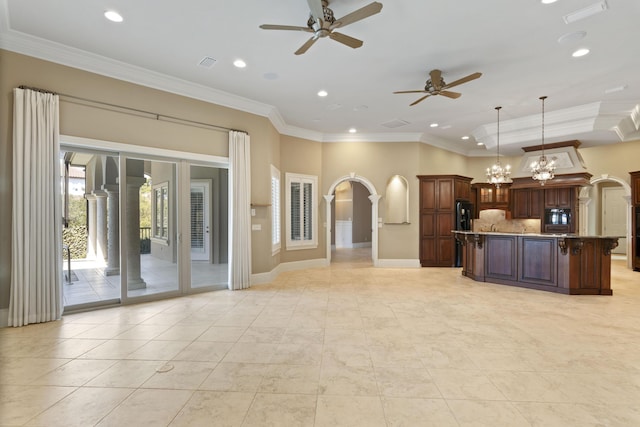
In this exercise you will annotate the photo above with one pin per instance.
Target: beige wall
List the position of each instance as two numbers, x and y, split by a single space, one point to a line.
376 162
93 123
302 156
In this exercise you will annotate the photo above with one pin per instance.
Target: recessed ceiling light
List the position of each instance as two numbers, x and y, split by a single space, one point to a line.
113 16
352 130
323 93
580 52
239 63
479 143
465 137
433 125
548 1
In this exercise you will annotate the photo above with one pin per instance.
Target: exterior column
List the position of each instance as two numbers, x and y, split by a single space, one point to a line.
134 277
101 225
113 230
91 224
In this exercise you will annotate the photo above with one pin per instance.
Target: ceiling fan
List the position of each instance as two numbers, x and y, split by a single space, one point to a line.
436 86
322 23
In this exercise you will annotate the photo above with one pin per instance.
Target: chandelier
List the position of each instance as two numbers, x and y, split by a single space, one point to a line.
497 174
542 169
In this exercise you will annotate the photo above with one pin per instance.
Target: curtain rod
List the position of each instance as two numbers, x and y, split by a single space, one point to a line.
134 111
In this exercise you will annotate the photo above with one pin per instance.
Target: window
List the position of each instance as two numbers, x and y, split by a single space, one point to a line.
301 208
160 224
275 210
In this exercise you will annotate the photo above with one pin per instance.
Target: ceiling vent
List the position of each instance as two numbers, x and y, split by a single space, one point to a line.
588 11
395 123
207 62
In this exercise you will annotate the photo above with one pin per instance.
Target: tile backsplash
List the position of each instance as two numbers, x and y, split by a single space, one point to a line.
495 220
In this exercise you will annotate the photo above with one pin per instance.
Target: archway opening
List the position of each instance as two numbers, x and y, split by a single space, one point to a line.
605 209
352 221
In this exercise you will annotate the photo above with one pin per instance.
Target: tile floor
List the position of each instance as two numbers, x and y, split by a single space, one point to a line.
347 345
90 284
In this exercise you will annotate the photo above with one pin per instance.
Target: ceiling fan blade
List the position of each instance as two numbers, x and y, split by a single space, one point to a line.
411 91
419 100
306 46
436 79
346 40
317 11
462 80
449 94
363 12
285 27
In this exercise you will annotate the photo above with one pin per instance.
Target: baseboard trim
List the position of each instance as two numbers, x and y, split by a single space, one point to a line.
361 245
398 263
268 277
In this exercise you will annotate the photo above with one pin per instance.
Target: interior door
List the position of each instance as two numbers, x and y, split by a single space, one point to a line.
614 216
200 227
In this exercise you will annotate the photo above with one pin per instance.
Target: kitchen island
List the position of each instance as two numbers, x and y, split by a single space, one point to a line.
565 263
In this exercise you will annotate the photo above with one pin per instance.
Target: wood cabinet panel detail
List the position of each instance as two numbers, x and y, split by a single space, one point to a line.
438 195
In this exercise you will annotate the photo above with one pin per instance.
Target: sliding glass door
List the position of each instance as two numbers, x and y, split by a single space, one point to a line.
139 227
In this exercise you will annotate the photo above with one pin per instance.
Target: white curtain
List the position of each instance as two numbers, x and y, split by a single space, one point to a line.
239 211
36 236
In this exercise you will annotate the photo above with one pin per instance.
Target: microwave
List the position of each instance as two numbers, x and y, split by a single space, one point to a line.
557 216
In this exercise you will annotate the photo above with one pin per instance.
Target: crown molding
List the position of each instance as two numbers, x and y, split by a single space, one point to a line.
55 52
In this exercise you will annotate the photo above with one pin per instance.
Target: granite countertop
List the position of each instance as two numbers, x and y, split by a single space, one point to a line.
559 235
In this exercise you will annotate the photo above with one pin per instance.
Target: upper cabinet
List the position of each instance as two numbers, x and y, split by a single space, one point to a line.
526 203
635 188
490 197
560 198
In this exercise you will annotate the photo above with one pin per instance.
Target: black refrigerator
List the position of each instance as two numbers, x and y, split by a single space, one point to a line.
464 215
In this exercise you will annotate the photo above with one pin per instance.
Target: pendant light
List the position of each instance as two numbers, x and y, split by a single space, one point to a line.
497 174
543 169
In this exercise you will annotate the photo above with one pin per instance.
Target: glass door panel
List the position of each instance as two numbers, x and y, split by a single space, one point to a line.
151 232
91 227
209 227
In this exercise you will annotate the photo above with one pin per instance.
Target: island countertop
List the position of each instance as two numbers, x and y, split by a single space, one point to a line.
528 234
565 263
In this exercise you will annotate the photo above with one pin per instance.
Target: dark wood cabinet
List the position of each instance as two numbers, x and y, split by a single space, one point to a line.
635 220
438 195
487 196
635 188
526 203
560 198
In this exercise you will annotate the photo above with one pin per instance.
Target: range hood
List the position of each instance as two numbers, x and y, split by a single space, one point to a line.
570 167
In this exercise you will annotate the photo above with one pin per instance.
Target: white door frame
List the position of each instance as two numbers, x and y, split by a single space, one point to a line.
373 196
585 200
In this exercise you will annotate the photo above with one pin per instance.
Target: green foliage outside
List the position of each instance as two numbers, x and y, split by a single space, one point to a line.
75 236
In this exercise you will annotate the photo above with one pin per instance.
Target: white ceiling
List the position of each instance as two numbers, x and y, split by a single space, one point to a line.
514 44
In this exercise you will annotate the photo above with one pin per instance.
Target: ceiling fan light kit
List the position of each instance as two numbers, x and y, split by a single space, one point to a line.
543 169
322 23
497 174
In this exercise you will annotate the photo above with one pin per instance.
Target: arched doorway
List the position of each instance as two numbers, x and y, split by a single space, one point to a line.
373 197
593 198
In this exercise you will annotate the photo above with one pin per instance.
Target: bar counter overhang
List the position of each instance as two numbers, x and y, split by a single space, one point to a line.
564 263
